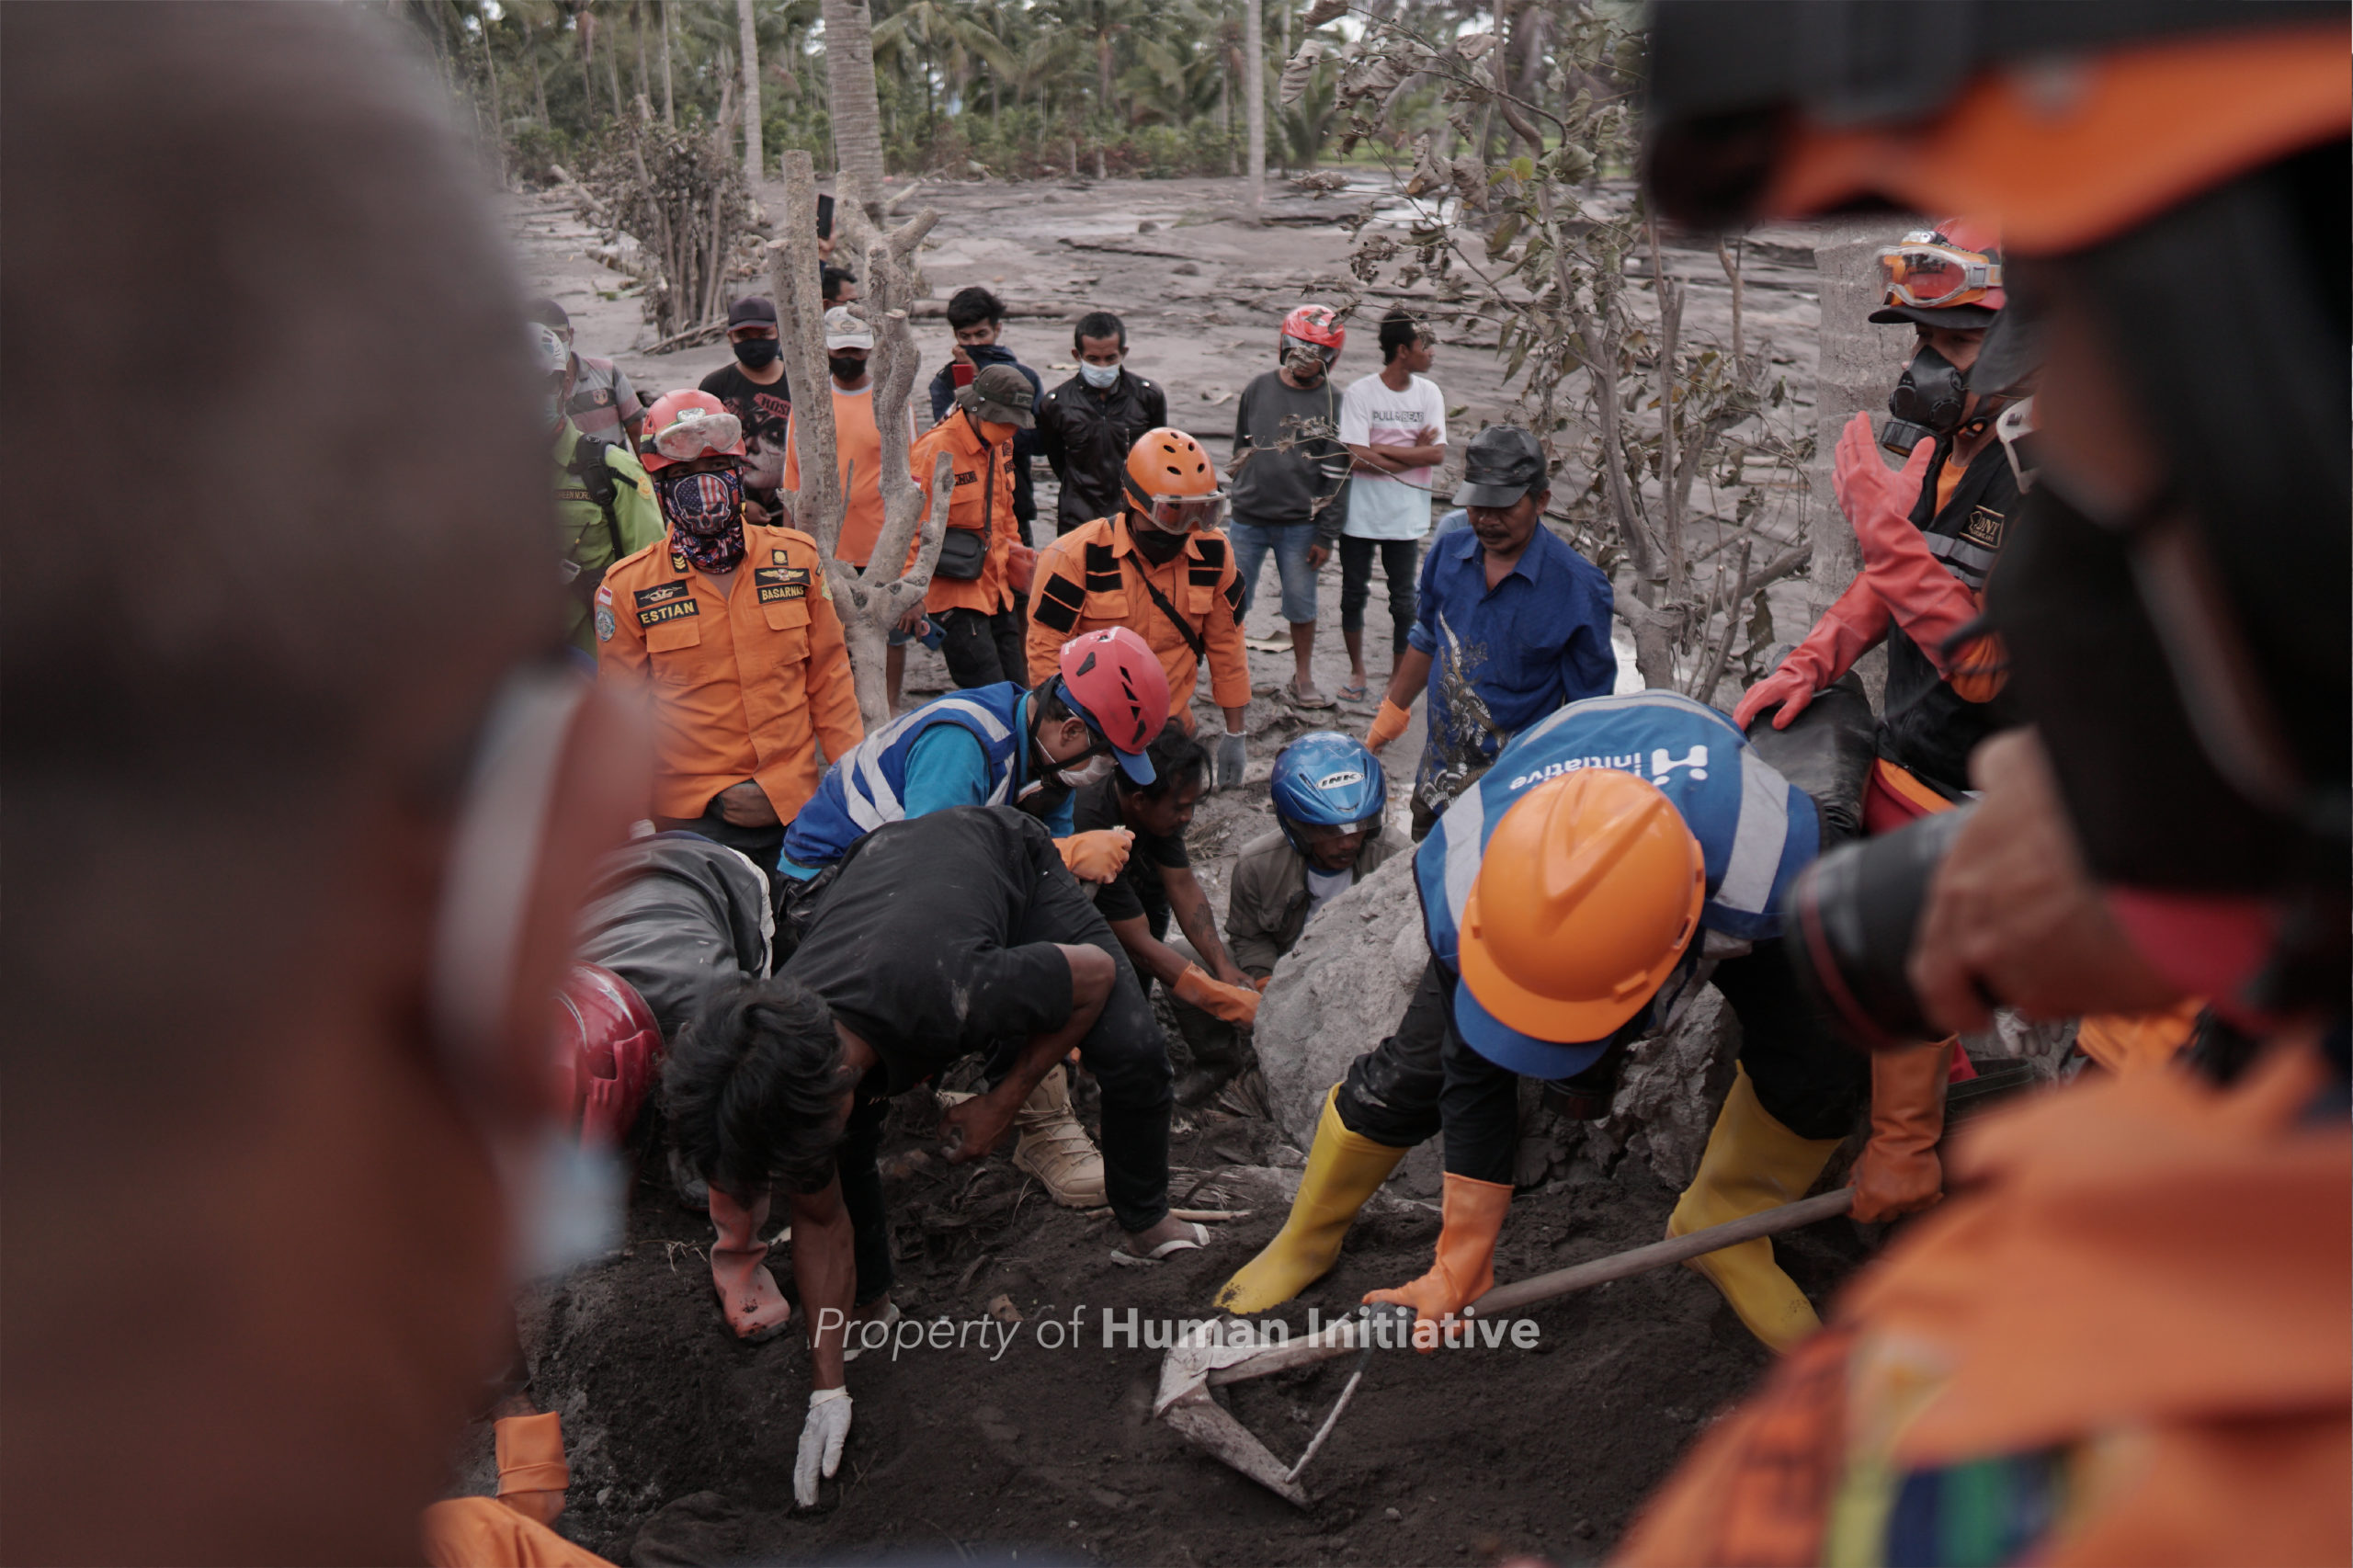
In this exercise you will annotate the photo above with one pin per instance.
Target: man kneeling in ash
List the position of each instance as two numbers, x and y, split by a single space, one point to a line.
944 936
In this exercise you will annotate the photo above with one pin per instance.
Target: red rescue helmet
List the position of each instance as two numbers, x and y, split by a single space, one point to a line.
685 425
1318 324
607 1050
1113 680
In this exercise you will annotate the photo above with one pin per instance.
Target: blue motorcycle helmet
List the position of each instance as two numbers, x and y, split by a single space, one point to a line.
1327 780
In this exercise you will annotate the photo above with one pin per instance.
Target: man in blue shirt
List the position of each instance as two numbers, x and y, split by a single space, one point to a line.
1617 857
1513 624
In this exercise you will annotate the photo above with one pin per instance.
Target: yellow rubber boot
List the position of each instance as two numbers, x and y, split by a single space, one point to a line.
1344 1168
1753 1163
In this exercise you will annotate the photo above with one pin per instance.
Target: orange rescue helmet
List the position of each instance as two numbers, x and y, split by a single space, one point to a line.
1587 896
685 425
1171 480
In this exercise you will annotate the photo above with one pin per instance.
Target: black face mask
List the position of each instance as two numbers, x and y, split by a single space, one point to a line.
1925 404
844 367
1158 544
758 352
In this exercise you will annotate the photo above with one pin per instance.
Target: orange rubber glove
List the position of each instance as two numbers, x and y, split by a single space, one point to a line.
1387 725
1237 1005
532 1476
1898 1172
1920 591
1021 566
1464 1270
1097 855
1847 629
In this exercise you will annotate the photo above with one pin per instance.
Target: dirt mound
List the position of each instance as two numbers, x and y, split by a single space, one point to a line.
682 1440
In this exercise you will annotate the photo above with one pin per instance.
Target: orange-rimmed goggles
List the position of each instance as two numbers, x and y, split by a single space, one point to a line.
1922 270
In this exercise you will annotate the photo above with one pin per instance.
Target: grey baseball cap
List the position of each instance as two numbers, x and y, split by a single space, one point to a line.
1002 395
1503 463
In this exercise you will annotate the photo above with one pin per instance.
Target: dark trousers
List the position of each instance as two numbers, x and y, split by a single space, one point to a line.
982 650
1401 561
762 845
1423 1079
1125 1051
862 1198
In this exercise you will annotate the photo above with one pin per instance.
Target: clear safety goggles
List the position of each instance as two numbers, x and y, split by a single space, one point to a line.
1924 271
1187 513
1301 345
696 434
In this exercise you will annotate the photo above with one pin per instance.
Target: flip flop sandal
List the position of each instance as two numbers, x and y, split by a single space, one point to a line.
1299 699
1356 694
1174 1244
851 1352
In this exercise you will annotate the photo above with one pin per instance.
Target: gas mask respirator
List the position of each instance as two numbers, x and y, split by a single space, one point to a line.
1927 403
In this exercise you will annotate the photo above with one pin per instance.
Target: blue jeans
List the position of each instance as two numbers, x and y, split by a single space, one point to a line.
1291 543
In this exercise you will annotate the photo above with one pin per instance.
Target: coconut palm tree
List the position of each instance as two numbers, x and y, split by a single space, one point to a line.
857 109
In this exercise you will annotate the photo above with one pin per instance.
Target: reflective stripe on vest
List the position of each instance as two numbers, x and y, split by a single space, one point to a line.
1756 830
866 787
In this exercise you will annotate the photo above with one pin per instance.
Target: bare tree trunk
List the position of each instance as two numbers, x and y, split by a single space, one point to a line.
669 104
613 80
587 31
753 165
637 32
1254 74
539 82
856 110
497 106
869 600
1857 363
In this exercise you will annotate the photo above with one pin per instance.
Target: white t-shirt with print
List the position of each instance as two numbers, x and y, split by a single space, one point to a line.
1371 415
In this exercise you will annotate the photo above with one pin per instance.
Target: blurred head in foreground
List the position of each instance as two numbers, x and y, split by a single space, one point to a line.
257 1139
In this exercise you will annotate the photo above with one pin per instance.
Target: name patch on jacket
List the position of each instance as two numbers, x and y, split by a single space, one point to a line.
1985 527
666 601
781 582
970 476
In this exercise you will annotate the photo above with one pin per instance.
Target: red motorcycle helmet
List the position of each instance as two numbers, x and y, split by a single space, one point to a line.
1318 324
1114 680
685 425
607 1050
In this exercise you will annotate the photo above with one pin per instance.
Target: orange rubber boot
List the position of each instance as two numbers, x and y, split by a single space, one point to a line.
755 1309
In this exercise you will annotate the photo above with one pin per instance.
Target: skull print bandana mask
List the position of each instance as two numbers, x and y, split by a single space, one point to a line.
706 513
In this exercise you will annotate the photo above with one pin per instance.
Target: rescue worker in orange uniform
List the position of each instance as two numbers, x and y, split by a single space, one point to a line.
730 628
971 599
2123 1340
1163 570
1930 535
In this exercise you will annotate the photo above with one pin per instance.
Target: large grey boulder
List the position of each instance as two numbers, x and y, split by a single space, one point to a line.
1338 991
1344 986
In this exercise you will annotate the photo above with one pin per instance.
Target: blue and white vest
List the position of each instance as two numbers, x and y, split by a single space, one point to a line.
863 791
1756 831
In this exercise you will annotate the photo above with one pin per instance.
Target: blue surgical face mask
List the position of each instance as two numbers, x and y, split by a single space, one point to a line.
1099 377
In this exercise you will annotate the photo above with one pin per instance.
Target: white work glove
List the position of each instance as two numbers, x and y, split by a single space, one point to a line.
822 1436
1227 761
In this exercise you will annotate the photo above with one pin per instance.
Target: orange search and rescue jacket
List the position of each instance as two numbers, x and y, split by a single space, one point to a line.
746 676
1095 577
980 499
